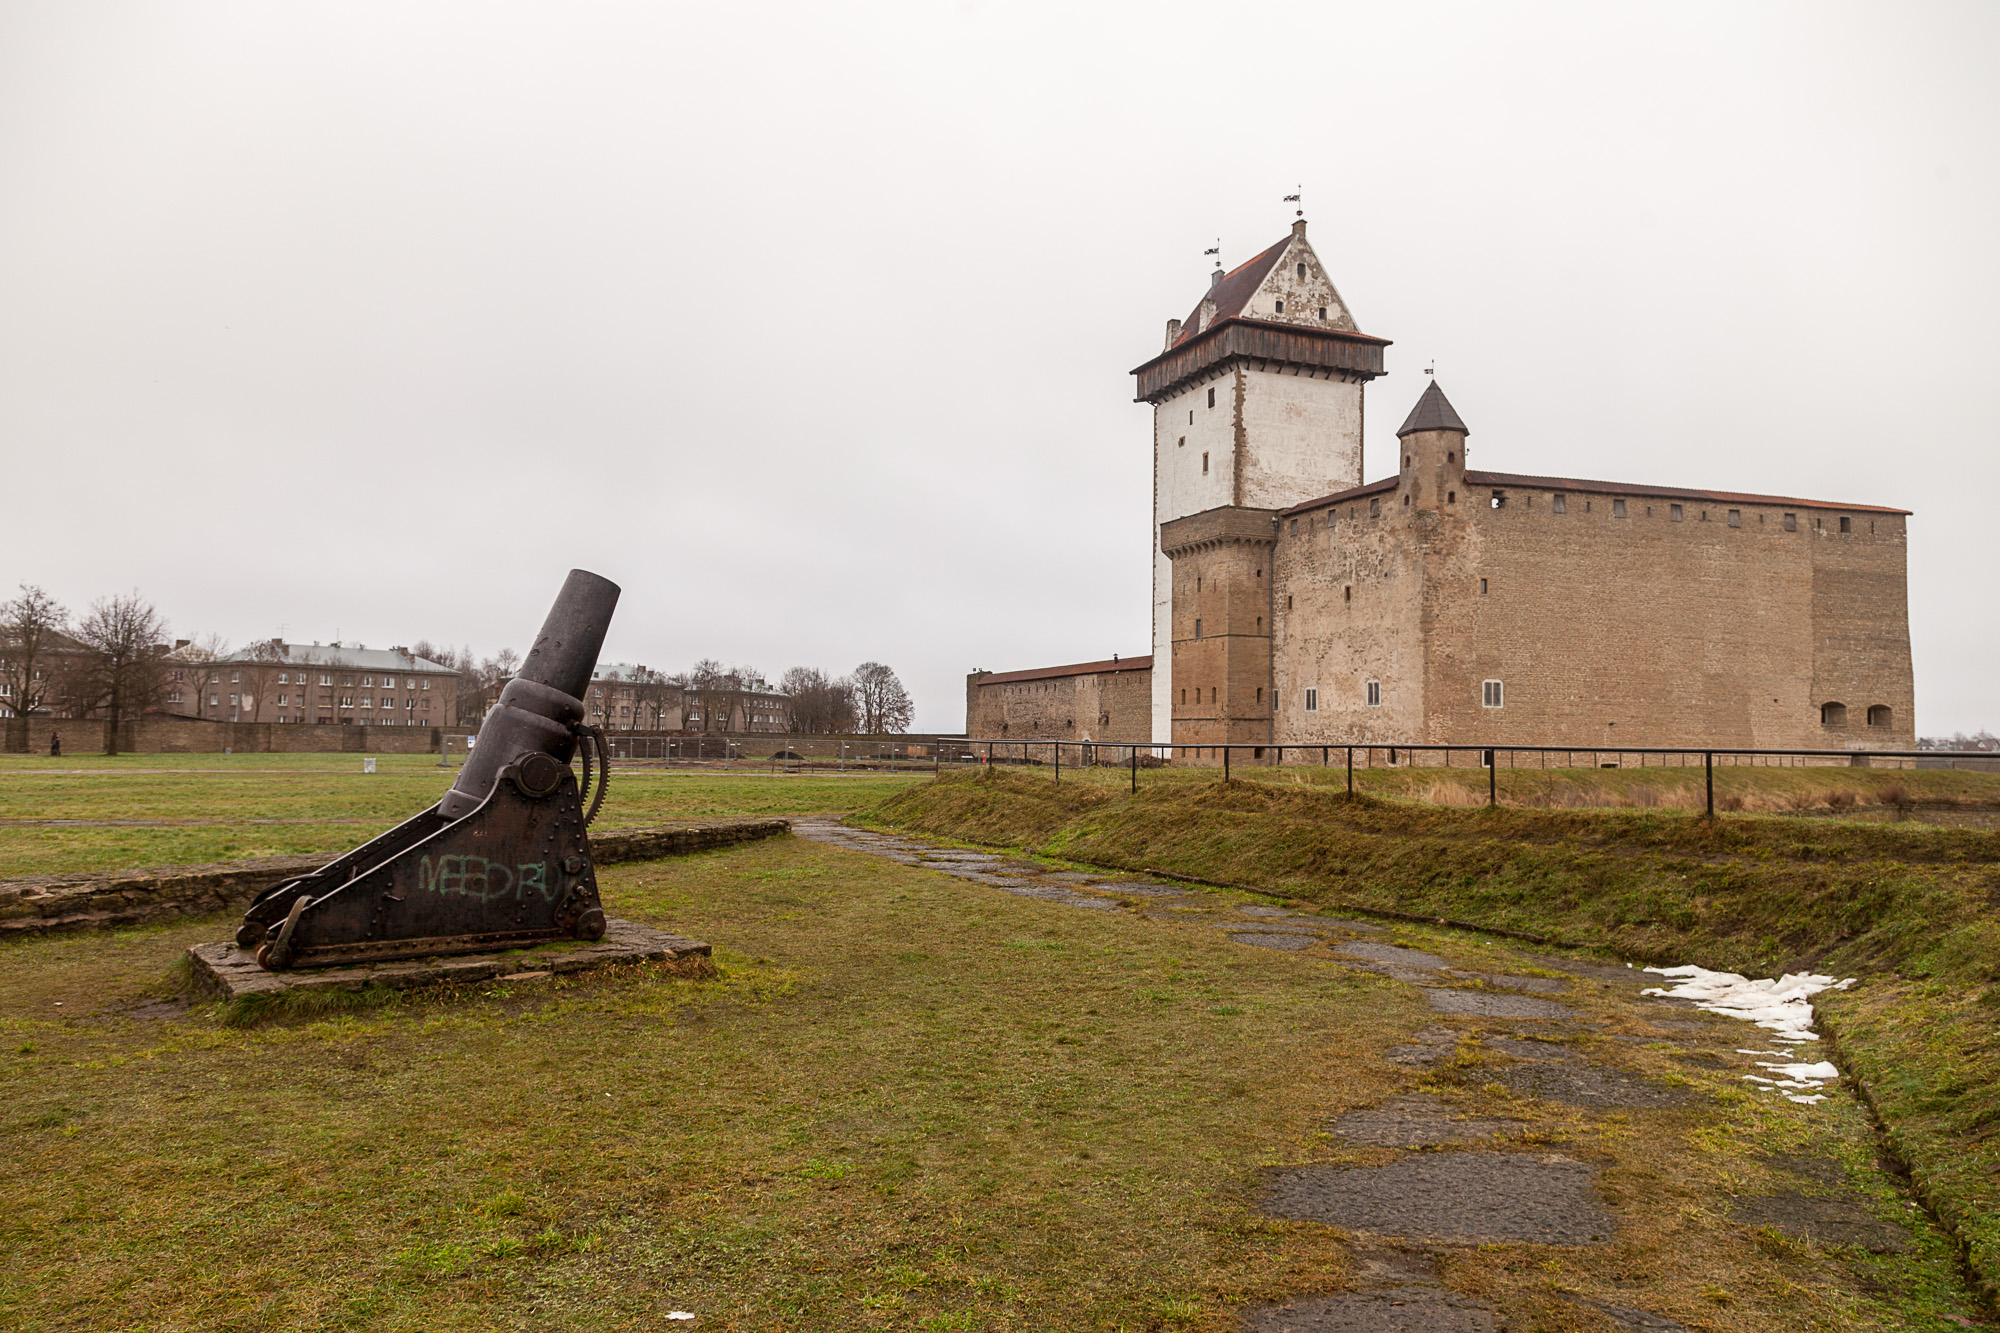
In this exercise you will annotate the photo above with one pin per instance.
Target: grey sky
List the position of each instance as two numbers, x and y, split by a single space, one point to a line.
810 324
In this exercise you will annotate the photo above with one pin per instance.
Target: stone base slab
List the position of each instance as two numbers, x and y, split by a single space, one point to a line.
232 973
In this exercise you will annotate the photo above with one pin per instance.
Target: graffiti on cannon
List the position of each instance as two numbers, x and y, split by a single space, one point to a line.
485 881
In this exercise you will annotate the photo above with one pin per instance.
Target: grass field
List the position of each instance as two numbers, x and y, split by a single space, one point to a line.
1912 910
148 810
906 1103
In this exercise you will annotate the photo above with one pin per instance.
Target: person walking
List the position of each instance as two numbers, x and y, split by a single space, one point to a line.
55 745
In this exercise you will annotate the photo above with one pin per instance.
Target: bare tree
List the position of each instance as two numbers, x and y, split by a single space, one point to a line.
651 692
29 628
817 704
881 700
123 665
188 666
708 692
259 667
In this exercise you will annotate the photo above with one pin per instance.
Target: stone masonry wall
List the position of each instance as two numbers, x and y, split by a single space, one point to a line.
1111 706
162 733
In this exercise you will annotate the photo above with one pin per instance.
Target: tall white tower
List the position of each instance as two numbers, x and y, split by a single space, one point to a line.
1258 400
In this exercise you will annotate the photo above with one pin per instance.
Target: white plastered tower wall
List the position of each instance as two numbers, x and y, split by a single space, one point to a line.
1262 433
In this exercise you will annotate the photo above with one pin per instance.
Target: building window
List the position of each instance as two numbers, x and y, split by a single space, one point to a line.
1331 515
1374 694
1312 701
1451 497
1791 523
1492 694
368 682
1833 715
325 679
427 683
1197 627
1182 444
1183 696
1281 307
1295 527
1560 502
1375 507
1674 513
1499 499
283 679
1260 694
1302 270
1204 462
1211 397
1846 523
1879 715
1322 312
1617 509
1736 518
1288 601
1482 587
1347 593
213 700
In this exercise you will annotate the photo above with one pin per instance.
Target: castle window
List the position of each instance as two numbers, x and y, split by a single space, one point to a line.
1182 443
1482 587
1499 499
1674 513
1451 456
1492 694
1204 462
1260 694
1406 502
1211 397
1374 694
1322 312
1281 307
1617 509
1183 696
1451 497
1879 715
1197 627
1288 601
1312 701
1295 527
1350 593
1406 460
1846 523
1260 624
1833 715
1560 502
1375 507
1736 518
1302 270
1190 416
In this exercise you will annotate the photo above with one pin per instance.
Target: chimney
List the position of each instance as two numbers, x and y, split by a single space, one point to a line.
1215 279
1173 333
1299 229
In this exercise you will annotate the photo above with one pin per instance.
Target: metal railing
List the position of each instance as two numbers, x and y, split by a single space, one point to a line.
1367 757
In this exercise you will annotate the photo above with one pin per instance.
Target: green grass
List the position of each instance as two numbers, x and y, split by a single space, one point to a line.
905 1102
1910 909
205 808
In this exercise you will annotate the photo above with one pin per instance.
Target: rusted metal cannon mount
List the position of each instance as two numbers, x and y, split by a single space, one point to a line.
503 860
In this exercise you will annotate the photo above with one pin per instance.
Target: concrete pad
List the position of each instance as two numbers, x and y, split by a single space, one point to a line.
232 973
1266 940
1838 1219
1425 1048
1574 1083
1390 954
1391 1310
1415 1122
1461 1198
1485 1004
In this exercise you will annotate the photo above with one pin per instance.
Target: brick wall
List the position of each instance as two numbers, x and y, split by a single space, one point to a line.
160 733
1113 706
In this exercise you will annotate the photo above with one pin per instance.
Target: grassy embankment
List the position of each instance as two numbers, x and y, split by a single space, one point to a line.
153 810
1912 910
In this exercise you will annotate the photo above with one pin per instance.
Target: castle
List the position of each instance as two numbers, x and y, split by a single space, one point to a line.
1295 604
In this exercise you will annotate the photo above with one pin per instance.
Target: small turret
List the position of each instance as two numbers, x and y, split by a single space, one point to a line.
1433 447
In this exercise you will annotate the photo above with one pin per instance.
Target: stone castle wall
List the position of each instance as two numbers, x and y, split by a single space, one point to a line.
1113 706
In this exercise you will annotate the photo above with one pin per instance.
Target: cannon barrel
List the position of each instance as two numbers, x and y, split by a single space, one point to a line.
542 706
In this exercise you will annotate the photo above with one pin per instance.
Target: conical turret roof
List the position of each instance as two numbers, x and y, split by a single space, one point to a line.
1432 412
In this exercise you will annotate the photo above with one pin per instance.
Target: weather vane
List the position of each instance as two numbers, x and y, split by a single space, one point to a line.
1432 368
1296 198
1215 250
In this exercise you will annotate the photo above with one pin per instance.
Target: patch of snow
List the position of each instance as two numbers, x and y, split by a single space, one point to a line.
1782 1007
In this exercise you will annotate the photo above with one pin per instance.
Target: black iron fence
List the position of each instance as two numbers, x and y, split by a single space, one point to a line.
1505 771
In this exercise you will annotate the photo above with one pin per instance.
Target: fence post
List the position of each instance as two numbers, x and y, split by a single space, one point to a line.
1057 747
1225 763
1708 765
1135 770
1350 770
1492 779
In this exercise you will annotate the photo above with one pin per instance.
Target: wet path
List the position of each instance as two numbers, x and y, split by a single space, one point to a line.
1541 1090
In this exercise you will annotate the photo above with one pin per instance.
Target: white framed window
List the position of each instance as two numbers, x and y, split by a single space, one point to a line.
284 679
1312 700
325 678
427 682
213 700
1492 694
368 682
236 678
1374 693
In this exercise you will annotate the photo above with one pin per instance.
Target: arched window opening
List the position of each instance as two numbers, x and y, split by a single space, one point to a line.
1833 715
1880 715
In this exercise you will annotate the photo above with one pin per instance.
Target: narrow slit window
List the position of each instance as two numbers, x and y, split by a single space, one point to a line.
1211 397
1204 462
1482 587
1281 307
1374 694
1312 701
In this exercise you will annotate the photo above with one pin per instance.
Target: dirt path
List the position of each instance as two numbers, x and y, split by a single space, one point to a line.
1549 1107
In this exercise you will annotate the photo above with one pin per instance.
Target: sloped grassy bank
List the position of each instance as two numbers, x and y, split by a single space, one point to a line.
1914 911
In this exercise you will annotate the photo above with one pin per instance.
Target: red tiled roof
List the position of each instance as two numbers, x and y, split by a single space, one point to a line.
1599 488
1234 291
1078 669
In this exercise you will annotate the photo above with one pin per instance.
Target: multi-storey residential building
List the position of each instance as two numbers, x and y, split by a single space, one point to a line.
323 684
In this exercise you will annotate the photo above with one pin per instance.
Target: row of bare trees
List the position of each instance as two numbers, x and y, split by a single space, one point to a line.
109 662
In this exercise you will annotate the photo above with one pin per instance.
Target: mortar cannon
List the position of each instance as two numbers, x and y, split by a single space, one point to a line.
503 860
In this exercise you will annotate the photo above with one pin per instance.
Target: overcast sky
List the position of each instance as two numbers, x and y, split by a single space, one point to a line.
810 325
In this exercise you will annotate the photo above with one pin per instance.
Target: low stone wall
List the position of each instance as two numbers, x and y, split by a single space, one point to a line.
45 904
163 733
